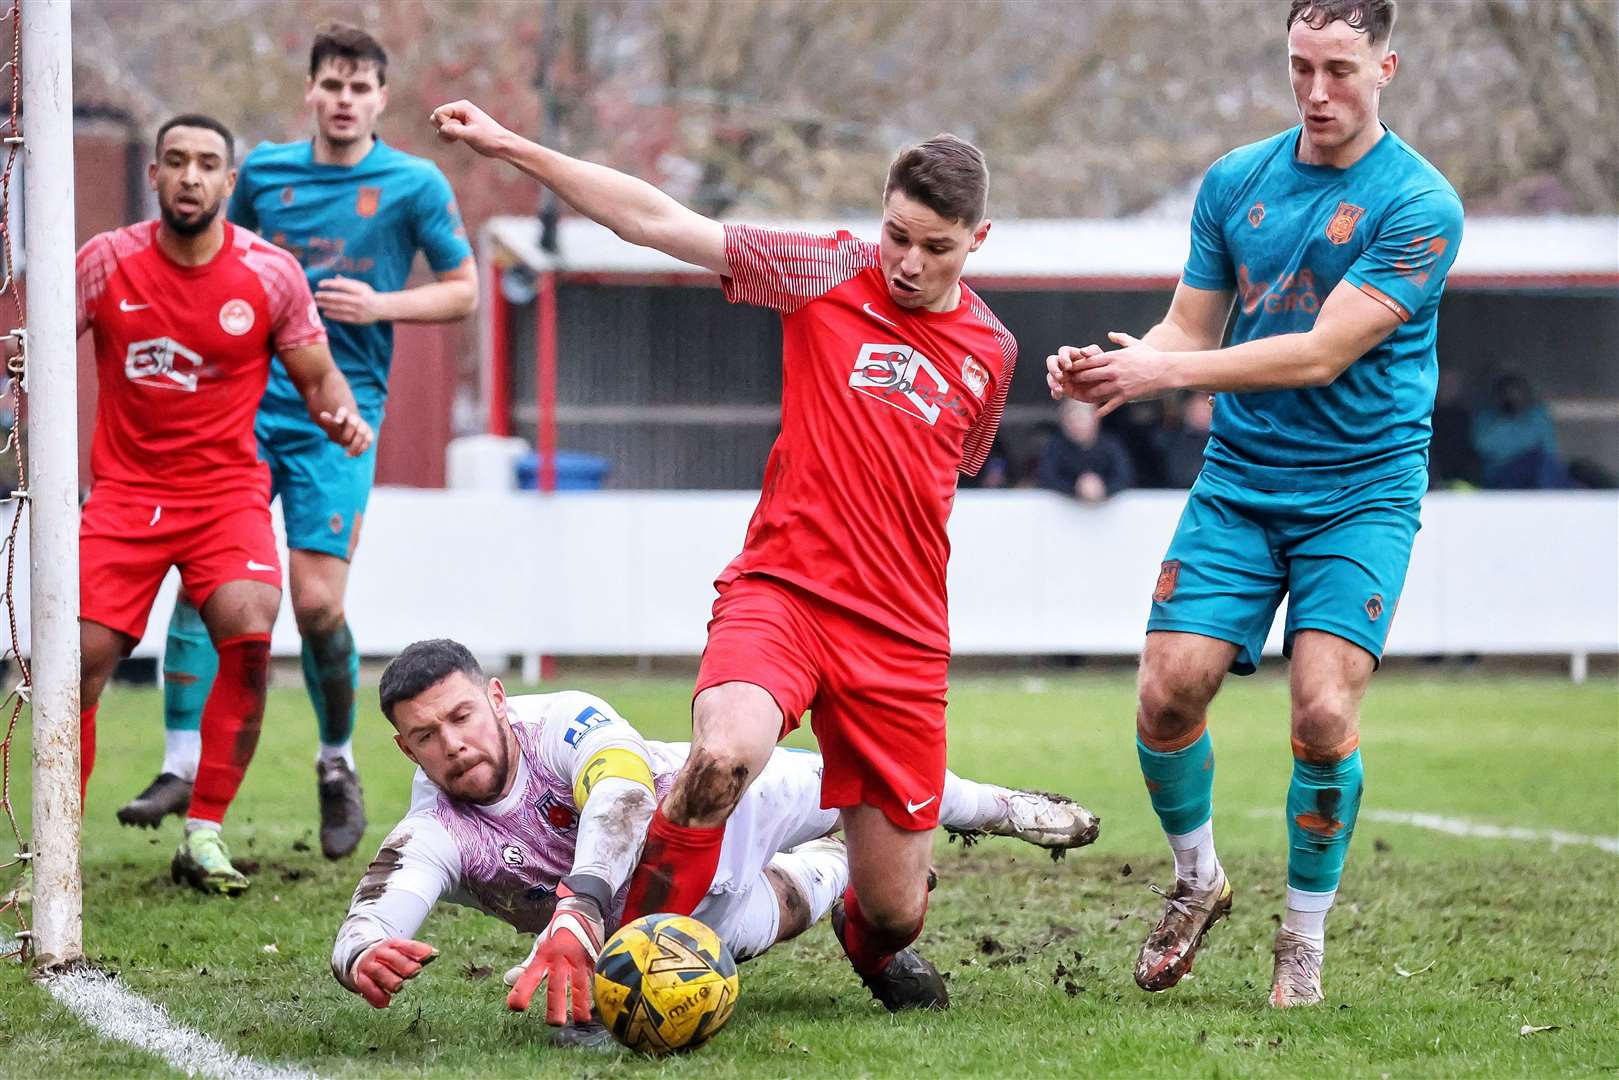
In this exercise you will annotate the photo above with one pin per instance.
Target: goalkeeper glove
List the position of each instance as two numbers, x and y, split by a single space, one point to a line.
380 972
564 954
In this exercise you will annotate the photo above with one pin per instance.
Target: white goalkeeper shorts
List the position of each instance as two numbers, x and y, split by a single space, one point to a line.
780 810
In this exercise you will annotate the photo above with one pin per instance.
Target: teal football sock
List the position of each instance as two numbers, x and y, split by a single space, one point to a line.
1322 803
1180 783
189 666
332 675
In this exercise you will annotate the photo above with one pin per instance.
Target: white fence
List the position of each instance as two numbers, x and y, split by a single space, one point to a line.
629 573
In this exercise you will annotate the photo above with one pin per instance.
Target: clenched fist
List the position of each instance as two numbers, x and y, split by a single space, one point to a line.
464 122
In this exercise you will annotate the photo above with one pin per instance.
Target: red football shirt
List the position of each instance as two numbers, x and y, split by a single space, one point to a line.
182 356
881 407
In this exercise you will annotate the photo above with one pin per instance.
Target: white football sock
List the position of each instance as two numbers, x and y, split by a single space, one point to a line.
1195 861
182 751
194 823
329 753
1307 914
967 804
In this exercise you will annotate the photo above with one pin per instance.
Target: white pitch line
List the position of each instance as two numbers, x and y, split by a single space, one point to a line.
1479 830
116 1013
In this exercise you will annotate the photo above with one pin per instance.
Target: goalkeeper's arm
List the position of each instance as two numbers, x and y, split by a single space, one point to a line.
375 953
616 800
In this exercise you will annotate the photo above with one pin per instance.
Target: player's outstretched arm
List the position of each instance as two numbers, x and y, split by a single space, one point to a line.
618 802
614 791
1350 325
631 207
375 953
327 396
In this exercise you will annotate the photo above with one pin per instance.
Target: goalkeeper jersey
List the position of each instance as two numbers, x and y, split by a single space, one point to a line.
506 859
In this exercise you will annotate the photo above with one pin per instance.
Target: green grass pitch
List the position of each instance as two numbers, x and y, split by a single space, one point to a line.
1497 933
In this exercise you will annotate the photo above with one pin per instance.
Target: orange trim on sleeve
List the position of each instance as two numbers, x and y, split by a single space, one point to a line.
1386 300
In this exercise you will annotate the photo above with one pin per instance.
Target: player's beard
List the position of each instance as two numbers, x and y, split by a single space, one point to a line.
189 226
500 763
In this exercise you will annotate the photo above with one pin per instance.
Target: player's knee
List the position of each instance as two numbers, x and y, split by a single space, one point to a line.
1169 712
895 913
241 607
737 714
708 788
1325 726
317 615
793 914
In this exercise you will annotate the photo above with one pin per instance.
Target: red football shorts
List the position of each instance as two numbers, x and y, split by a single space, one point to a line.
126 547
876 698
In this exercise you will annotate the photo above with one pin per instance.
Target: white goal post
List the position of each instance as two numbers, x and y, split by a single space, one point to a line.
53 477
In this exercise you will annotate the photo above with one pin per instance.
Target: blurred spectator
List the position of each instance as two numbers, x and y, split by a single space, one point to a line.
1081 459
1452 461
1515 439
1182 438
1139 426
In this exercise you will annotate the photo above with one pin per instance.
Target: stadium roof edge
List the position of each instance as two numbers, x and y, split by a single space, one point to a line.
1511 251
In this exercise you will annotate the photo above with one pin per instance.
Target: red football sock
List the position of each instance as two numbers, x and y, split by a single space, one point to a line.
868 948
87 747
677 867
231 718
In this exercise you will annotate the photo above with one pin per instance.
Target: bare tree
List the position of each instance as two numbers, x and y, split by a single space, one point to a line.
793 107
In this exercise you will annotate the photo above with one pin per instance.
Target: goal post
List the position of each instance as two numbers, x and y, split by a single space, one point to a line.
50 382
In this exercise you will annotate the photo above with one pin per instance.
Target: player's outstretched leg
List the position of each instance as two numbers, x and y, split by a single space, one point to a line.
734 729
189 666
970 809
1179 676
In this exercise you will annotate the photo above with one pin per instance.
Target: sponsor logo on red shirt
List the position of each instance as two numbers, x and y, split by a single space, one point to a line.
900 376
162 363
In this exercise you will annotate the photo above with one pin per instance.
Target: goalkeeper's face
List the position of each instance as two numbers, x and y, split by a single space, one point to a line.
458 732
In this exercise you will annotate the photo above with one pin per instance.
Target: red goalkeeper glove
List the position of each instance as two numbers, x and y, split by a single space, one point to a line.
564 957
381 971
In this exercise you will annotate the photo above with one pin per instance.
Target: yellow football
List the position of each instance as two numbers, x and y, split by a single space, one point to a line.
665 983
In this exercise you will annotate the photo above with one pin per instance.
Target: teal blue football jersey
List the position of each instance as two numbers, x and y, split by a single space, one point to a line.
1282 235
364 221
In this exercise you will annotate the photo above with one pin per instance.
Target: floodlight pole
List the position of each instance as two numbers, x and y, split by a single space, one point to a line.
53 476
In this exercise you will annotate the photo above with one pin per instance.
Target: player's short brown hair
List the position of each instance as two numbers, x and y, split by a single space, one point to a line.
340 41
1374 18
946 174
422 666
